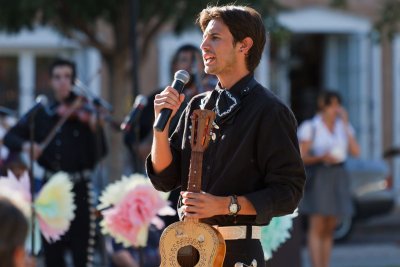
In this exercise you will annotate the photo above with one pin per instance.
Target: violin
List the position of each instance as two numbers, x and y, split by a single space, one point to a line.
80 108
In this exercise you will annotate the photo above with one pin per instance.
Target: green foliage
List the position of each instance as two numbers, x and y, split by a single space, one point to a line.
338 3
82 15
16 14
390 18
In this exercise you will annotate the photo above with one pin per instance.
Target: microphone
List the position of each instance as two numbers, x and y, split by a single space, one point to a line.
97 101
181 78
137 107
41 102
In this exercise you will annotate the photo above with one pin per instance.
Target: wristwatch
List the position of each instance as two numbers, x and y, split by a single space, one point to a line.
234 206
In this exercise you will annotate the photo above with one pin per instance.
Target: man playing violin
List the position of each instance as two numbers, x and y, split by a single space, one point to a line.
76 148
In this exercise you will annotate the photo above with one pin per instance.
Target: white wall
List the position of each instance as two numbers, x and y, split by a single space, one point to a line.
44 41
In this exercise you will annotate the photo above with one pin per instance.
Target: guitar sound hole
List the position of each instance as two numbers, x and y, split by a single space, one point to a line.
188 256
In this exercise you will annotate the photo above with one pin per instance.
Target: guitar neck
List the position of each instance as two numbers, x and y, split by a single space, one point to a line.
195 172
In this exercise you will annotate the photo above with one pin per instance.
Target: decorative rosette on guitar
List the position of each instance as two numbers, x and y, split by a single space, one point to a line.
129 206
54 204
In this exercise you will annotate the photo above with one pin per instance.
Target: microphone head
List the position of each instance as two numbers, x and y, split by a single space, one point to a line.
140 100
41 99
182 75
77 82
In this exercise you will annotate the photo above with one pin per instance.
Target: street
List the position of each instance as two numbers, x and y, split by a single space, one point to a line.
374 243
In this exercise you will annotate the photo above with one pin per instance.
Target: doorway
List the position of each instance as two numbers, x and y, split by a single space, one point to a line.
306 73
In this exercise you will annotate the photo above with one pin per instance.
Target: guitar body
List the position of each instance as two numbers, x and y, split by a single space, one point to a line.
203 238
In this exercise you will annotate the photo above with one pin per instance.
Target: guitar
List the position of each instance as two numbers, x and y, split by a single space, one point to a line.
190 243
38 171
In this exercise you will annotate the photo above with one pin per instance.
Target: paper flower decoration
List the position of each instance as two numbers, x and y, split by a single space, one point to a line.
131 205
17 191
54 205
276 233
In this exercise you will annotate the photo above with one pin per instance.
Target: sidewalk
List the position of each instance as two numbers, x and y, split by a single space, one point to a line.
367 255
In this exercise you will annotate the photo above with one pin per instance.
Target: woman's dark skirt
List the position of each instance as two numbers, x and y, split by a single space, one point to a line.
327 192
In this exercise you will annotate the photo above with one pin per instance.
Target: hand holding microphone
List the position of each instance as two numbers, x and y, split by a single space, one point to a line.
169 100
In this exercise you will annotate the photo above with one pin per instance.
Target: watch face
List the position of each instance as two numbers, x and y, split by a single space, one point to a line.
233 208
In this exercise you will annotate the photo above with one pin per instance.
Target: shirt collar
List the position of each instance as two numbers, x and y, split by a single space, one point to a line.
239 89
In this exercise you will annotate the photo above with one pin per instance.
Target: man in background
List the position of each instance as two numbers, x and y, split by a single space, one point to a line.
139 137
187 57
76 148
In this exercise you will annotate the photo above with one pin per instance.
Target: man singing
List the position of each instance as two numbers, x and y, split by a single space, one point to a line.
252 170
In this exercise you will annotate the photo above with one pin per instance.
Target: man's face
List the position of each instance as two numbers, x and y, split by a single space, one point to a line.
186 59
219 53
61 81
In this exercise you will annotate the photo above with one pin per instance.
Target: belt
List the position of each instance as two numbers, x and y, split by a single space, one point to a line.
73 176
239 232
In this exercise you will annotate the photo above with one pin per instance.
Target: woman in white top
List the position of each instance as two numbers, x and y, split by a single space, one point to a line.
325 142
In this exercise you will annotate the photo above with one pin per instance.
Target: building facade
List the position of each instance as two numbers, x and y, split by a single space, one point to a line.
24 62
327 48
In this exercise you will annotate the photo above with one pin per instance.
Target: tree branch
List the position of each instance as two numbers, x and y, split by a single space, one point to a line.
66 23
149 34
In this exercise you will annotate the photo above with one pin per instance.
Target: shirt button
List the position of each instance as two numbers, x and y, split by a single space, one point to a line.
208 167
76 133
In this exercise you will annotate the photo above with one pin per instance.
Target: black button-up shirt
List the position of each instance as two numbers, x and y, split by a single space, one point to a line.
255 155
74 148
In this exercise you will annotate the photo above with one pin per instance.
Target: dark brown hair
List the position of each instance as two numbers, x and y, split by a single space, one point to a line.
60 62
13 231
242 22
326 97
184 48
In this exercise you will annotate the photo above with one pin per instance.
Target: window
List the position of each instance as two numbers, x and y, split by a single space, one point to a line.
9 84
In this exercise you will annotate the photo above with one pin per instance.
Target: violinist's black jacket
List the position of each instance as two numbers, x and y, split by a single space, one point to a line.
75 147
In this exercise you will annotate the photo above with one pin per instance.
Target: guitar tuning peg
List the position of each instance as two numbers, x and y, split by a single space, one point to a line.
215 125
213 136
